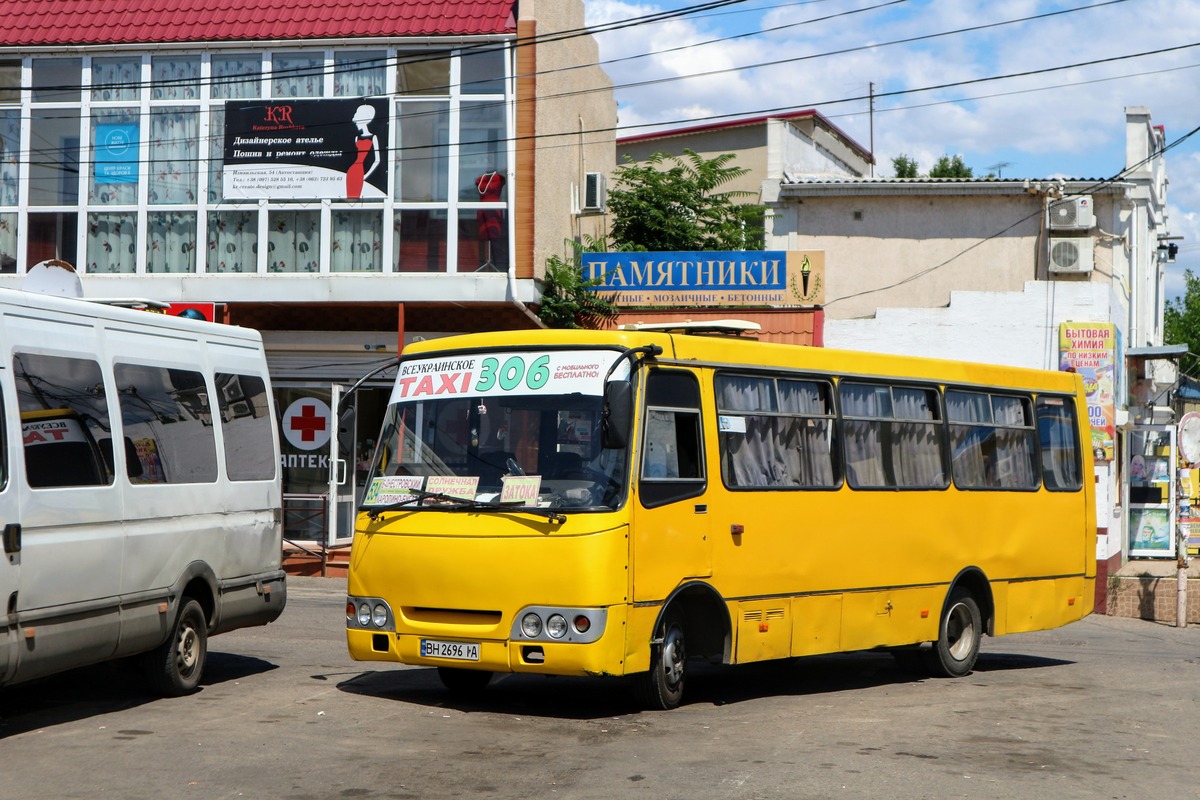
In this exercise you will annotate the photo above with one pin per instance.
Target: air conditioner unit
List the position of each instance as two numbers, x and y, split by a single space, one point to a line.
1071 255
595 192
1072 214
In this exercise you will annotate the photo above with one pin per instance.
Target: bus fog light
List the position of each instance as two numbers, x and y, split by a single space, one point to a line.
380 615
556 626
582 623
364 614
531 625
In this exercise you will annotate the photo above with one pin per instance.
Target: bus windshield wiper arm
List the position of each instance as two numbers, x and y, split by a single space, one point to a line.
463 504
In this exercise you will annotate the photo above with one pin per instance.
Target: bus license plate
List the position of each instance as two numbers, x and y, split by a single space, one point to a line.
460 651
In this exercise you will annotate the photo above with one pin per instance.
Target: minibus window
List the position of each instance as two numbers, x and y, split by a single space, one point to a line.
167 415
672 451
246 427
64 410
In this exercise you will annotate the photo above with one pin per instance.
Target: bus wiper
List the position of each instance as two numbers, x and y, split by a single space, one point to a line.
463 504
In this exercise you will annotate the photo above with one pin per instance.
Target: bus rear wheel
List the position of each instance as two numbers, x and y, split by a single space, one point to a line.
957 647
174 668
662 687
464 681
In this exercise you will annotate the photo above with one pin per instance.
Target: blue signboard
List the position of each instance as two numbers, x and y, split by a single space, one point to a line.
743 277
116 153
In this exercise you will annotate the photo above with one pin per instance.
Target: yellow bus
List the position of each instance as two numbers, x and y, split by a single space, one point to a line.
617 503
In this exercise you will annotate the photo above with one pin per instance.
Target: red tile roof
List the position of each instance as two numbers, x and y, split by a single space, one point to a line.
32 23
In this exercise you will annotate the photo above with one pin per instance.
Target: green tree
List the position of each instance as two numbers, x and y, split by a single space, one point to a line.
568 300
671 203
948 167
905 167
1181 322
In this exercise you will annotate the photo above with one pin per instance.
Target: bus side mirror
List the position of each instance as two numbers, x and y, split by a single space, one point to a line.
617 417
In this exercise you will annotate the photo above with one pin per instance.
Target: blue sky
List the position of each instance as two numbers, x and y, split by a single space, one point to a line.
1062 123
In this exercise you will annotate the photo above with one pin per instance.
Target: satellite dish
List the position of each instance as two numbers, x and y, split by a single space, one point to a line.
1189 437
54 277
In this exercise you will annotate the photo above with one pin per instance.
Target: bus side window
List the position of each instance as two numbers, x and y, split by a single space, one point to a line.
672 451
63 406
1059 439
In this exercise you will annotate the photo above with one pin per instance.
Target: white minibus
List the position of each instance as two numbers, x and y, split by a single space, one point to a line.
139 489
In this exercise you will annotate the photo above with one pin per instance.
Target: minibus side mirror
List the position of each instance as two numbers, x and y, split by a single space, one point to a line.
617 417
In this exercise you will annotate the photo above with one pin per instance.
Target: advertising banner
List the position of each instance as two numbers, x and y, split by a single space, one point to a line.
740 278
116 154
1090 348
306 149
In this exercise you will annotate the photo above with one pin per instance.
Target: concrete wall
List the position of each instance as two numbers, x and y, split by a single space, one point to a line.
575 122
748 142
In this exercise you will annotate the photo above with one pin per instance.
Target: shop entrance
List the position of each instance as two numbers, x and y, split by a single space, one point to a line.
327 437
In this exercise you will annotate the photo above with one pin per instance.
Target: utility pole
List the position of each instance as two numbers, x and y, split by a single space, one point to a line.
871 116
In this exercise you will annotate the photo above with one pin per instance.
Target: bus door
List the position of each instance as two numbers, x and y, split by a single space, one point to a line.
671 540
10 563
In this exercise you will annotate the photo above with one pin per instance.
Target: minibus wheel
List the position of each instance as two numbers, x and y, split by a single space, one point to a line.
957 647
464 681
662 687
174 667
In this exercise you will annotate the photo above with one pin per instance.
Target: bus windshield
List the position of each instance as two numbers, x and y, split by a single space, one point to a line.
508 430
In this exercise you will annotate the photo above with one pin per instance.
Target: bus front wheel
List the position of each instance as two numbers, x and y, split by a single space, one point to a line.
957 647
662 687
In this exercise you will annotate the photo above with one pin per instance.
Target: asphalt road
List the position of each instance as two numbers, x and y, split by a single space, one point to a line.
1105 708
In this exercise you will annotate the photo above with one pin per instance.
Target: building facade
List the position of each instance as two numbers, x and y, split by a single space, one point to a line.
342 177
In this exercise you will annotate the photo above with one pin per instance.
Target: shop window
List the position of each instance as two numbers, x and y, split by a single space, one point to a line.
116 79
359 73
232 241
8 243
297 75
167 418
419 238
52 235
356 242
422 166
54 157
482 70
57 80
112 243
422 72
235 77
174 156
483 148
10 80
482 240
171 241
246 427
216 154
64 420
294 241
175 77
10 155
115 136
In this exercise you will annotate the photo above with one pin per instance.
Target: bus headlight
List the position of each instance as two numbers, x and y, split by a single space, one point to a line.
364 614
372 613
531 625
559 624
379 615
556 626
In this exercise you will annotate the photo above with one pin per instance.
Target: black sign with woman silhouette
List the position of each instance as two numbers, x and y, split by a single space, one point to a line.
306 149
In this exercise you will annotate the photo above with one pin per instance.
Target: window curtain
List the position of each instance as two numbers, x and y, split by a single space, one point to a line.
916 446
298 76
775 450
294 241
232 241
8 243
174 156
357 244
116 79
235 77
863 442
112 243
359 74
171 241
